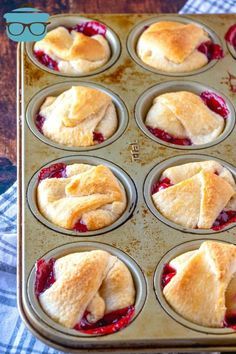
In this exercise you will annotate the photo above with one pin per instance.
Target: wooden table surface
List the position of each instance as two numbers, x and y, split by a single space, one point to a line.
8 62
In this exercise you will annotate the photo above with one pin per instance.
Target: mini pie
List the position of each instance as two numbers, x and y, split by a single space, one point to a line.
93 283
204 288
73 117
172 46
184 115
198 192
74 52
91 195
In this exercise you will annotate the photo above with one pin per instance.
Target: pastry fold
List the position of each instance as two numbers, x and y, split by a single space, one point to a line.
200 191
92 195
76 114
93 281
184 115
204 288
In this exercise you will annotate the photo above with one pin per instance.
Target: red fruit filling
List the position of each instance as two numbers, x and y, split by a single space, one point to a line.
224 219
80 226
230 35
110 323
90 28
44 275
211 50
167 274
159 185
57 170
39 122
161 134
230 321
46 60
98 137
215 103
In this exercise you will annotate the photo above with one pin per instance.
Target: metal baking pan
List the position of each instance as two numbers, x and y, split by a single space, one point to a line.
142 237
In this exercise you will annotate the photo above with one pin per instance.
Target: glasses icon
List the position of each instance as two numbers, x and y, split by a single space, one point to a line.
35 28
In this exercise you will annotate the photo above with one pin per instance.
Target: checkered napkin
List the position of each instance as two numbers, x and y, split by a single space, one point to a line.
14 337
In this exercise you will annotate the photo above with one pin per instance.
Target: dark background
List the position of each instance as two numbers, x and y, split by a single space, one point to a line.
8 61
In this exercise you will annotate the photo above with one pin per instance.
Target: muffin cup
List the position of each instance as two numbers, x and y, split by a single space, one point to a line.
55 90
137 274
145 102
173 253
155 174
69 21
139 29
122 176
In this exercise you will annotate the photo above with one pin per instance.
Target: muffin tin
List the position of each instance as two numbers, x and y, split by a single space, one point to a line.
142 237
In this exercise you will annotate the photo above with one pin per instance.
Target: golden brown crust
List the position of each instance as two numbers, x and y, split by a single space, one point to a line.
93 196
197 291
176 41
79 280
195 202
184 115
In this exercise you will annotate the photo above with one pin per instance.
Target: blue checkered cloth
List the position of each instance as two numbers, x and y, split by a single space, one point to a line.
14 337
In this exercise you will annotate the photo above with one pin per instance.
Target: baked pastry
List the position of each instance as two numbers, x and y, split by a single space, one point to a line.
184 118
86 286
80 196
72 50
197 195
80 116
176 47
204 287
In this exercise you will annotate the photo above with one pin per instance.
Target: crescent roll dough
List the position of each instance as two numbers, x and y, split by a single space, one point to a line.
72 117
185 115
91 194
172 46
200 191
94 281
204 287
74 52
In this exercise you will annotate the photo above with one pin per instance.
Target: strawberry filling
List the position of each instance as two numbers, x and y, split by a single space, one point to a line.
211 50
163 135
89 28
230 35
80 226
159 185
110 323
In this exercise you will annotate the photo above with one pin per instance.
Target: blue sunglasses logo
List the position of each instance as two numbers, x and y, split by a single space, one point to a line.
26 24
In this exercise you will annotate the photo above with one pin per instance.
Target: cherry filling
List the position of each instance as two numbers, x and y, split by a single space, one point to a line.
215 103
161 134
225 218
159 185
89 28
230 35
230 321
46 60
44 275
211 50
80 226
57 170
110 323
167 274
98 137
